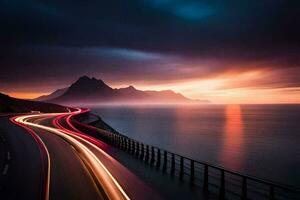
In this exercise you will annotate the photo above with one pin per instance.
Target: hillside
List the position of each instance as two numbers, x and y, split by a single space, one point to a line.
12 105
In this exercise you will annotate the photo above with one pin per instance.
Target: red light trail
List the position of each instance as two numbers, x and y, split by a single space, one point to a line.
85 146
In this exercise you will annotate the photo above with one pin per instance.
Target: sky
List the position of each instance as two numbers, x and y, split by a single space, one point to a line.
224 51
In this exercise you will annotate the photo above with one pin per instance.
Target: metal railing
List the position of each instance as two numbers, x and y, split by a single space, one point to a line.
226 183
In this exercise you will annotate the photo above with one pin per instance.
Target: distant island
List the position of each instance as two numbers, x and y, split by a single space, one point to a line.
88 90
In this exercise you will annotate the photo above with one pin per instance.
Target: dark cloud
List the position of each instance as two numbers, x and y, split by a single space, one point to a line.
53 42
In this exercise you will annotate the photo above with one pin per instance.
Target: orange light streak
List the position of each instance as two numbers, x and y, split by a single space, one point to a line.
110 185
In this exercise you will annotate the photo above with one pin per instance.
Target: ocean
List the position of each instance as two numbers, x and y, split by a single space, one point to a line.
258 140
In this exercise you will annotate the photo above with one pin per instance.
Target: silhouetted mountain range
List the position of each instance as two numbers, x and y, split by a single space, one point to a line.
92 91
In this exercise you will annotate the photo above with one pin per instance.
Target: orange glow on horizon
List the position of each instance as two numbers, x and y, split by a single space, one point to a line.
26 95
231 87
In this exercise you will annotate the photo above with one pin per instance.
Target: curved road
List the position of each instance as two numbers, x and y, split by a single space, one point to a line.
21 163
69 178
76 166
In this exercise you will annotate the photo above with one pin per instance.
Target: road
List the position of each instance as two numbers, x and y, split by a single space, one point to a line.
51 159
69 178
21 163
76 166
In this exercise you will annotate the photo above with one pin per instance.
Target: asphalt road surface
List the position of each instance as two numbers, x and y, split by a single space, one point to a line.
50 159
78 167
20 160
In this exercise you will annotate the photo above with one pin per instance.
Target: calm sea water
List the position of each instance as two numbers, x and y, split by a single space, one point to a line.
259 140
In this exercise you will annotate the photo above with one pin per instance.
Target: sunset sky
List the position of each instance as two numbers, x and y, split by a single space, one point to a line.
224 51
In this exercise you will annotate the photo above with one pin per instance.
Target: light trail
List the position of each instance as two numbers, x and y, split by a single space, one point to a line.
79 141
44 155
92 140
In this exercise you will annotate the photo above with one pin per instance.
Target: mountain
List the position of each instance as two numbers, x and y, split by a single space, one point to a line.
92 91
53 95
13 105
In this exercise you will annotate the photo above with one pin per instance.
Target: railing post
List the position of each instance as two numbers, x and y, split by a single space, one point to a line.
158 159
113 139
133 147
222 185
123 143
271 195
109 139
147 154
181 169
142 152
205 182
130 146
137 153
165 161
192 178
244 188
127 145
118 141
173 164
152 156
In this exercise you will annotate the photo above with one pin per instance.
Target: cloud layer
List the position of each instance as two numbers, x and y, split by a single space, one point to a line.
48 44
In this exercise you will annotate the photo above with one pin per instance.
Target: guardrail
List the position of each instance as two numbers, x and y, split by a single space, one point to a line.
226 183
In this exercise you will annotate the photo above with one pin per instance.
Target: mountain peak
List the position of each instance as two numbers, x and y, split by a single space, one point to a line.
86 79
130 87
86 86
87 89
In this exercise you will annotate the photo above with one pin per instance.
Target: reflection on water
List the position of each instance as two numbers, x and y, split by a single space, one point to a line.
232 148
259 140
